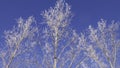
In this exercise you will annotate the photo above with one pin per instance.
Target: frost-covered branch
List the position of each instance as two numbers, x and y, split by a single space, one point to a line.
104 38
14 38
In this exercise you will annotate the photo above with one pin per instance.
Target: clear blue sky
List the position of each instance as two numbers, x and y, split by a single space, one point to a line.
85 12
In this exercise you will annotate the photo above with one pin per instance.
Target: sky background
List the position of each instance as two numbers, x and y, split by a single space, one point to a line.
85 12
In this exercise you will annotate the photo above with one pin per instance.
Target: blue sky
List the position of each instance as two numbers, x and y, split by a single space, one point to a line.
85 12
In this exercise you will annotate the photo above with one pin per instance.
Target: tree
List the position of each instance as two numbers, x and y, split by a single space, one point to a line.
60 46
17 41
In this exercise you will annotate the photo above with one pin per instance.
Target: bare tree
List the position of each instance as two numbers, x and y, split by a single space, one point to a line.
17 41
61 46
57 19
